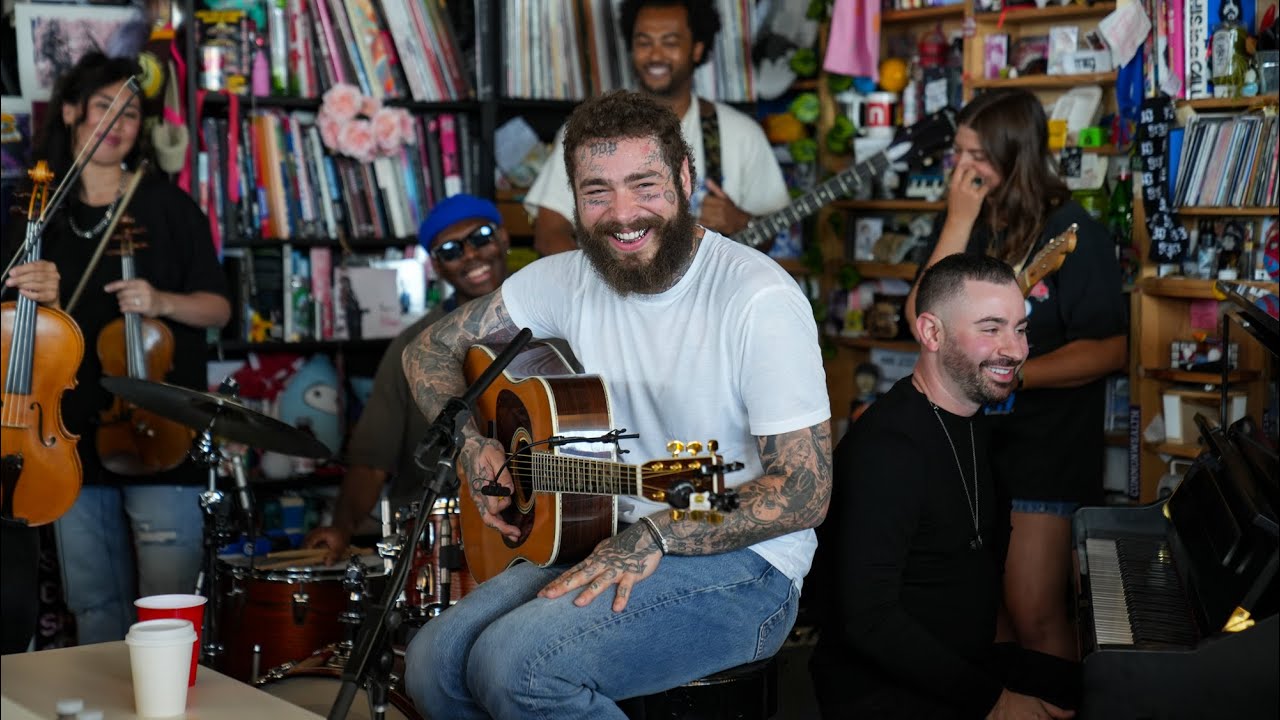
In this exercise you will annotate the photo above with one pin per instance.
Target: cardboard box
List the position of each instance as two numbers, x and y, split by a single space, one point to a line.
1182 404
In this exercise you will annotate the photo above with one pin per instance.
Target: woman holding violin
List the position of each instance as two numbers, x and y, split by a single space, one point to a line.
173 284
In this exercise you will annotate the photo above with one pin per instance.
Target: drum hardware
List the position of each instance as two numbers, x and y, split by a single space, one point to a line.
436 451
216 418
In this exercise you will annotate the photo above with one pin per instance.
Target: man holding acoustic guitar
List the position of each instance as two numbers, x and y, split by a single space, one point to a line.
697 338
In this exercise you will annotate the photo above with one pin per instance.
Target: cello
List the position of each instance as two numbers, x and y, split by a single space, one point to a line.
130 440
40 472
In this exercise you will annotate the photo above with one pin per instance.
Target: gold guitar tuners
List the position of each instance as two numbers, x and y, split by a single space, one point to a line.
693 447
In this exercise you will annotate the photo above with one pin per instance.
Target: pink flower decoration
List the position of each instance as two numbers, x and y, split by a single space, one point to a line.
355 138
386 129
342 102
407 130
328 128
369 106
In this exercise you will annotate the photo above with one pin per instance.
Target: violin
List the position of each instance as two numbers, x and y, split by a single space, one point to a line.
130 440
40 472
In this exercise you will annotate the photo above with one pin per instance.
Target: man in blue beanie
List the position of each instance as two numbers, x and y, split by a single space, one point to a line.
468 246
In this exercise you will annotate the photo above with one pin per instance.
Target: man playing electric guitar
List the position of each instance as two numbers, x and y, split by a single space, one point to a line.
697 338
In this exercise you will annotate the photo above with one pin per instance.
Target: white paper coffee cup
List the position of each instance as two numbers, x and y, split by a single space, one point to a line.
160 656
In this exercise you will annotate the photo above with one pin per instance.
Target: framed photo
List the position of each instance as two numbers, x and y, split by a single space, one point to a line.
51 38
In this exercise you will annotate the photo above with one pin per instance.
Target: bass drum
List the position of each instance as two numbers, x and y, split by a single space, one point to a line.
313 684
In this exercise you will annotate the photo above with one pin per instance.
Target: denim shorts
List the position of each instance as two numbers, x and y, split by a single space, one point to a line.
1061 508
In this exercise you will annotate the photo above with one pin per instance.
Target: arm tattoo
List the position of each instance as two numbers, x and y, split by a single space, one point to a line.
791 495
433 361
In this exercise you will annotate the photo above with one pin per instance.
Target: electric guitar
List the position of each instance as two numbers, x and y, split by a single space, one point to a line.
565 504
933 133
1047 261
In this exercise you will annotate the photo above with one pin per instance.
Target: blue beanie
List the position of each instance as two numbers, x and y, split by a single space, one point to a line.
452 210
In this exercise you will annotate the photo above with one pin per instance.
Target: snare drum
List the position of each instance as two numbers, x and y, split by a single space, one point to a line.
313 685
286 613
423 589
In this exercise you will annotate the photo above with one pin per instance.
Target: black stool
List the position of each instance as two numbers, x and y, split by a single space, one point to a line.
746 692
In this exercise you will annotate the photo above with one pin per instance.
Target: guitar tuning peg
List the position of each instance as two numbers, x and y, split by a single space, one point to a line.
713 446
698 515
675 447
694 447
715 518
678 515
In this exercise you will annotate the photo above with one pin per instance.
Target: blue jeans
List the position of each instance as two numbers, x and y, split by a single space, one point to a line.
98 563
502 652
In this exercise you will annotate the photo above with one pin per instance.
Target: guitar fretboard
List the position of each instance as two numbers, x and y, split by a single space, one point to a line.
571 474
765 228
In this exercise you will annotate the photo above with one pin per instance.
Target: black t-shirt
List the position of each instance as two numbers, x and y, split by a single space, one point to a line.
178 257
905 600
1048 443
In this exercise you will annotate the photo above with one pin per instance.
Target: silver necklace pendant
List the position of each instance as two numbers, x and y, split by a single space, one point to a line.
973 502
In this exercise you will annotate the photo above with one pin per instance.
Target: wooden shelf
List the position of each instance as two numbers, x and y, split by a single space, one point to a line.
1190 288
867 343
1052 82
1200 378
794 266
1117 439
901 271
1204 211
1029 14
954 11
355 243
1244 103
219 99
891 205
301 346
1181 450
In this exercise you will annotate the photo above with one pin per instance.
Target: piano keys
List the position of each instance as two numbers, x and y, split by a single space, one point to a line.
1177 601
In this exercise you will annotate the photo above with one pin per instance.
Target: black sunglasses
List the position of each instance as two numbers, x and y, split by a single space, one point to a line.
452 249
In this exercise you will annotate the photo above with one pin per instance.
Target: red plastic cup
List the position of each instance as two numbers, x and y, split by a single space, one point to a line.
185 607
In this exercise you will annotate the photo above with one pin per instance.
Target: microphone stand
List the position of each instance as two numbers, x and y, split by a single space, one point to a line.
438 448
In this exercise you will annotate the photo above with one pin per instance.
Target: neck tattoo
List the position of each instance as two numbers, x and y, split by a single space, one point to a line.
971 501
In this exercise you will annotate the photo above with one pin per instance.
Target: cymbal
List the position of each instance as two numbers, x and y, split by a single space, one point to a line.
225 418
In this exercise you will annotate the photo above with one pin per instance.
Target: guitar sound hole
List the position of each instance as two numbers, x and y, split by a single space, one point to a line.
511 428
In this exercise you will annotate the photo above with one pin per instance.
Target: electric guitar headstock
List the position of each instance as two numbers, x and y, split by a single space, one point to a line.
1048 260
924 139
691 482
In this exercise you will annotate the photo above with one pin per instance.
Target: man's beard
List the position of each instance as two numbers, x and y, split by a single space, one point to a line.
627 274
970 378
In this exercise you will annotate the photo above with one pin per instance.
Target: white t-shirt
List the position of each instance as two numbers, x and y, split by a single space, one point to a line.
731 352
752 178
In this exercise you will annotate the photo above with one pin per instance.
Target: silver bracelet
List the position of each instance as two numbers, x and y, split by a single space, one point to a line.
657 536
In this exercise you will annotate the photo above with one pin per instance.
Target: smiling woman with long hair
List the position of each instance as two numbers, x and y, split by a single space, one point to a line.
1006 199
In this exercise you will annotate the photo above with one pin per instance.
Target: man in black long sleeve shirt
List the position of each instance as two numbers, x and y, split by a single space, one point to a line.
913 545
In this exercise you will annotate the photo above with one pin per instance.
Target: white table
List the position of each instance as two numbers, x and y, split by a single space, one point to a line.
100 676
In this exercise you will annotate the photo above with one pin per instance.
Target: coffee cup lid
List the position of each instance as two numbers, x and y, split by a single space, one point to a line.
170 602
165 631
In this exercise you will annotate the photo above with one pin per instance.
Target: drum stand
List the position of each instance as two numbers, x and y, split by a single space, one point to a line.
218 531
437 450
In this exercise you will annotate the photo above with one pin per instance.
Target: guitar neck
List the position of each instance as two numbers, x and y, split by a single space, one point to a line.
584 476
765 228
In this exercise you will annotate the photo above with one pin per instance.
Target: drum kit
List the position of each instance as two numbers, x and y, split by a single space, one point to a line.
285 612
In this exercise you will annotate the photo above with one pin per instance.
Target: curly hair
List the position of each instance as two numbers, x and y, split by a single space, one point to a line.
1013 130
54 142
704 21
625 114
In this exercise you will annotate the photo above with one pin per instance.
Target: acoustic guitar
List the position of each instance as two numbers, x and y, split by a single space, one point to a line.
564 504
